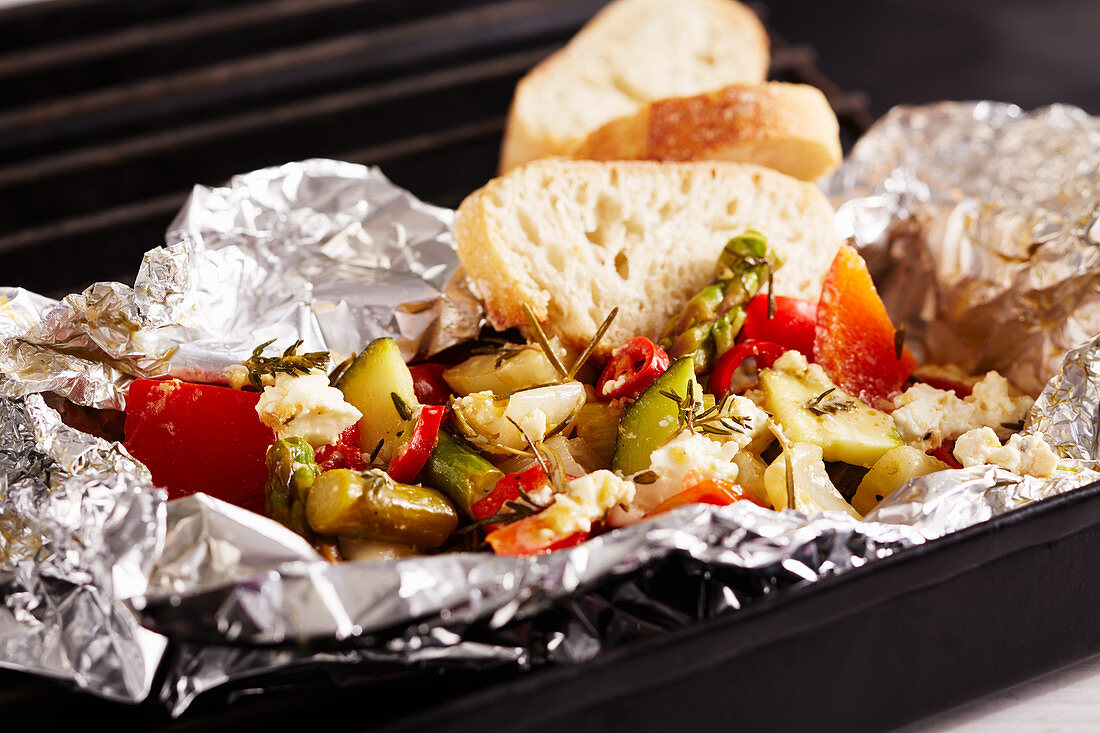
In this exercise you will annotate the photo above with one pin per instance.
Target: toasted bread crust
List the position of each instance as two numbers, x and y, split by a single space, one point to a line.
789 127
598 76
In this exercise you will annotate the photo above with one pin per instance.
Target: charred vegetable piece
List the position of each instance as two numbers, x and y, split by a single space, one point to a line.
369 384
711 320
653 419
460 473
291 470
199 437
371 505
812 409
855 341
502 372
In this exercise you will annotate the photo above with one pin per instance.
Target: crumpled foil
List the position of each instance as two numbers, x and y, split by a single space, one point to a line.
328 252
981 225
242 599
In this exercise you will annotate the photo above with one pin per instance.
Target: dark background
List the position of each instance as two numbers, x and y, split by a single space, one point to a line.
1028 52
110 110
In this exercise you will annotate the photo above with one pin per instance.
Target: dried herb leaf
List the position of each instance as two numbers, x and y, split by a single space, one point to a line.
289 362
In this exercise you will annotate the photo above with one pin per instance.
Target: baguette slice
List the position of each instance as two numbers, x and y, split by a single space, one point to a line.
632 52
788 127
574 239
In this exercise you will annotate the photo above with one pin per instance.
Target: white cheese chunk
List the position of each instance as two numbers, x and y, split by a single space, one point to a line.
1026 455
671 464
584 501
926 416
305 406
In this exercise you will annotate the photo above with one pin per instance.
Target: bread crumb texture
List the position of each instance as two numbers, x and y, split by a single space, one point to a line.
574 239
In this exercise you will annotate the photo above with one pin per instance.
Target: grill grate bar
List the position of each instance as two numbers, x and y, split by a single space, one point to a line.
90 180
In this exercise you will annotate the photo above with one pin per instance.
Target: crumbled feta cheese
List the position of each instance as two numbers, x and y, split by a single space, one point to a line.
305 406
926 416
536 411
584 501
1026 455
754 419
671 464
792 362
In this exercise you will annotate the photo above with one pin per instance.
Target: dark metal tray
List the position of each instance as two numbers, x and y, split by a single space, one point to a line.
895 641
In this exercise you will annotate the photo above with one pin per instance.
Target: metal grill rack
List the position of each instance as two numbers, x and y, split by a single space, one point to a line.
110 110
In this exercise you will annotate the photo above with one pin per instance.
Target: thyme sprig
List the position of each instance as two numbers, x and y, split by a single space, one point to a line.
289 362
719 419
824 404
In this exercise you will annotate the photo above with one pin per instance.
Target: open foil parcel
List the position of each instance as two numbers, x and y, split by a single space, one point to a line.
980 222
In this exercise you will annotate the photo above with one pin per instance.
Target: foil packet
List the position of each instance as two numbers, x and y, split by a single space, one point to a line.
100 573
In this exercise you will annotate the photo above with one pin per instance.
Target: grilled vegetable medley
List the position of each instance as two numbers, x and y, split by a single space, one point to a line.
525 448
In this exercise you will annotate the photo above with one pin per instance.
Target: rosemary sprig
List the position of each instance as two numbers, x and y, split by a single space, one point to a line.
592 343
289 362
544 342
719 419
824 405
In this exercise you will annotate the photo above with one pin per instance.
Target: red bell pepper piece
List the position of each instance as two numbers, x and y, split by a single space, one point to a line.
700 490
854 340
507 489
344 453
199 437
410 458
793 324
765 353
946 453
632 368
428 384
526 537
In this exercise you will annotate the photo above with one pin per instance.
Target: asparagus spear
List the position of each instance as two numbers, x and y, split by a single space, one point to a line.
709 322
459 472
371 505
291 470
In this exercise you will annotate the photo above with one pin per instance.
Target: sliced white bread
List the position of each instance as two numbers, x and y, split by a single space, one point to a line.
631 53
788 127
574 239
